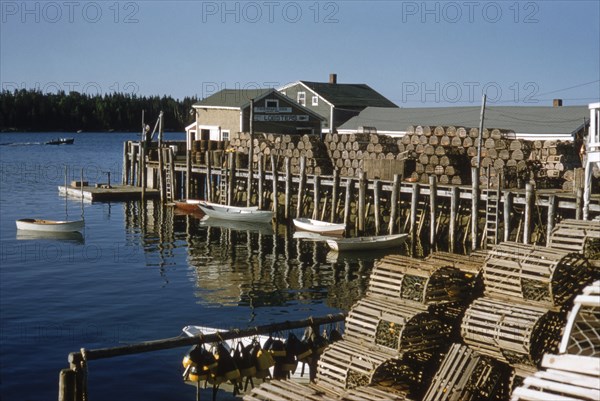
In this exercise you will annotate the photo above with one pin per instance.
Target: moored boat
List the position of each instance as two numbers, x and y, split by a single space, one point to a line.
61 141
247 214
50 225
188 205
367 243
318 226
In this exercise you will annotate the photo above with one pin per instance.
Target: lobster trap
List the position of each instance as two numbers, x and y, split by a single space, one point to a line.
512 333
544 276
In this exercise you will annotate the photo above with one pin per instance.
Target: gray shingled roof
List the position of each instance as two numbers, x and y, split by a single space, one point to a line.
233 97
521 119
349 95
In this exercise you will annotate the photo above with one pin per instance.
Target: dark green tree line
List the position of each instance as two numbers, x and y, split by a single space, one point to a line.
32 110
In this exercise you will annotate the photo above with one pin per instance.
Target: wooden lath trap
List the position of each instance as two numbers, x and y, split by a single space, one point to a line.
537 275
514 334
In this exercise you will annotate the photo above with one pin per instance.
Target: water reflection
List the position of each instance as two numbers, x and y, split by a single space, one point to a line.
232 264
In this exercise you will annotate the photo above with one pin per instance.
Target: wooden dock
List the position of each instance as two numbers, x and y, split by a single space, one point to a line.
105 193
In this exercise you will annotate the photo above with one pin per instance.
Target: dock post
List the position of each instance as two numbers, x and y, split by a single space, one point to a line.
301 186
454 200
261 178
414 202
134 165
507 211
394 206
474 207
348 198
125 176
144 178
335 193
432 209
209 186
66 385
528 212
231 183
551 217
188 172
377 205
362 193
288 187
275 195
579 204
316 196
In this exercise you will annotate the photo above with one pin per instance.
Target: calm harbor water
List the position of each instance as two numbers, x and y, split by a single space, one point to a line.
138 272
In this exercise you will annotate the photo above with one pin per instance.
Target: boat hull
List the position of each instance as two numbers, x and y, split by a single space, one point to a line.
367 243
251 214
188 205
50 225
317 226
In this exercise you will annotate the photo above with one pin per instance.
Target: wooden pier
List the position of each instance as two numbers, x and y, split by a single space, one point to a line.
467 214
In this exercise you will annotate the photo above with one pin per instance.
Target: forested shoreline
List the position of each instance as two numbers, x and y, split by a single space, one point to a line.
32 110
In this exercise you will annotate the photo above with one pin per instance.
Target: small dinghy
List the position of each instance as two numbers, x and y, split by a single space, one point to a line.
367 243
50 225
189 205
318 226
236 213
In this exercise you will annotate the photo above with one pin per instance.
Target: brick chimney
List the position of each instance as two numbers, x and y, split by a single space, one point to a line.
333 78
557 103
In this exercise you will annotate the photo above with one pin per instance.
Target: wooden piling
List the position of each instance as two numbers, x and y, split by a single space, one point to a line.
474 207
377 205
316 196
414 202
275 194
209 181
288 188
134 165
66 385
232 173
551 217
144 172
508 197
454 200
301 186
125 176
335 193
579 204
432 209
362 193
261 181
528 213
188 173
347 200
394 206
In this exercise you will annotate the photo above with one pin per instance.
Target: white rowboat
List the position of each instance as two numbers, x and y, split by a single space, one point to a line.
247 214
321 227
367 243
50 225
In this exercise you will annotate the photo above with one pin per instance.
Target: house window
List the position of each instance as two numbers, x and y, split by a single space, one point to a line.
225 135
272 103
315 100
302 98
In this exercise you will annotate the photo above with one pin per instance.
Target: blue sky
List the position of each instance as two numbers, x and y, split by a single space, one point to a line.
418 54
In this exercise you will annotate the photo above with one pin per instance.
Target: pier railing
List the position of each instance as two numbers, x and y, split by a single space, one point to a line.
73 380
